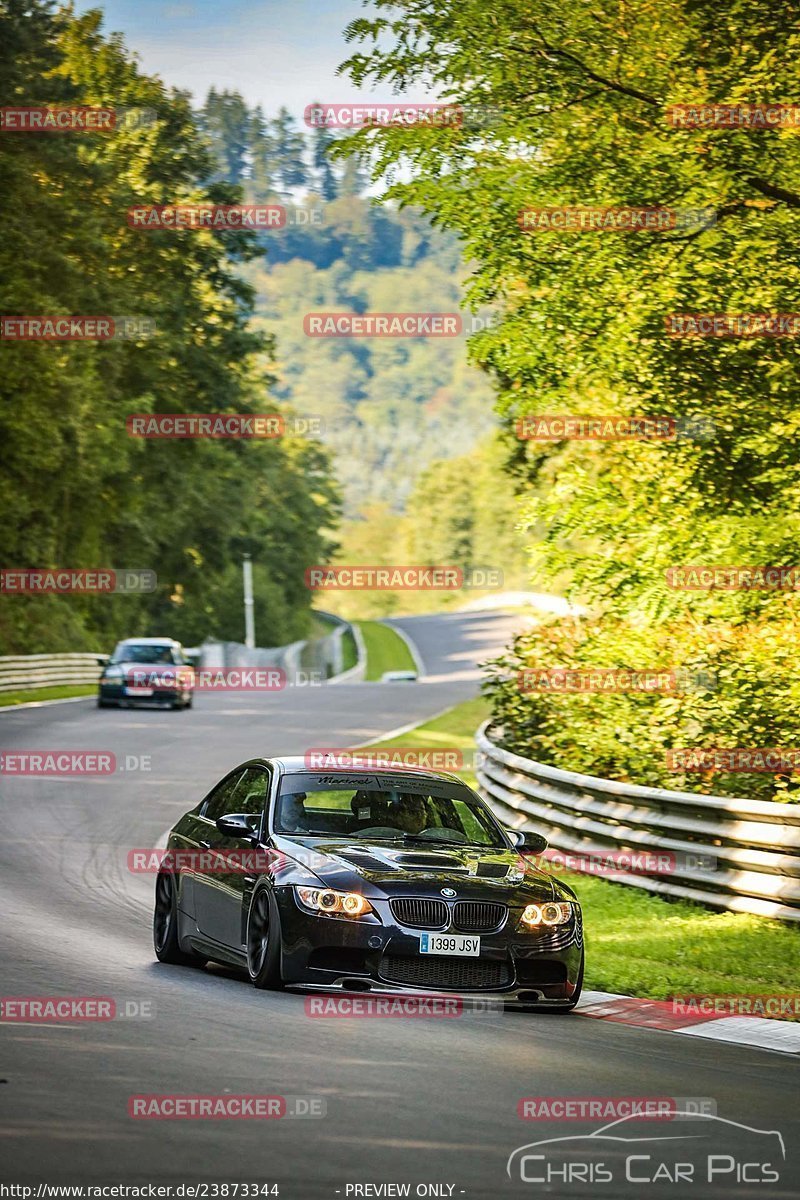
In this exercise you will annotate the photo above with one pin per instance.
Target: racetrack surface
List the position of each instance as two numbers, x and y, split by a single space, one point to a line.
419 1101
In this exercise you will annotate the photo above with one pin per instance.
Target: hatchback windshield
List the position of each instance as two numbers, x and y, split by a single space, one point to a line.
384 809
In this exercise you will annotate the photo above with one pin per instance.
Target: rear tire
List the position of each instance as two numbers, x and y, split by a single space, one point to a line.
264 940
165 926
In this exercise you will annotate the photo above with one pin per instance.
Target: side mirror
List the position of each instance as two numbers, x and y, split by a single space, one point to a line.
236 825
527 841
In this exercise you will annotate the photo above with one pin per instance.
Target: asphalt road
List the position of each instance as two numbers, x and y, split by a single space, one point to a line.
419 1102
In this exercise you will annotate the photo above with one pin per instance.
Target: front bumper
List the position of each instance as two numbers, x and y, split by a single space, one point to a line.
337 954
117 693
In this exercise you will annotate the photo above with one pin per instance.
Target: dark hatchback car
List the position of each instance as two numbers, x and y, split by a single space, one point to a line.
365 880
151 671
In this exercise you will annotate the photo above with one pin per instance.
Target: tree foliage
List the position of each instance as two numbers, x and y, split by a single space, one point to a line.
573 105
76 490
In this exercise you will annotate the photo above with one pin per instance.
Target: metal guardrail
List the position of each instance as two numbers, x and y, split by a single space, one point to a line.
321 658
316 659
735 854
30 671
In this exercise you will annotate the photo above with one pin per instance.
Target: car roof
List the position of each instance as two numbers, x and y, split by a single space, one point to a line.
155 641
292 763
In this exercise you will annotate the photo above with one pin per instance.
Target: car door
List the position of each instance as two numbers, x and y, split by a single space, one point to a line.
220 890
194 838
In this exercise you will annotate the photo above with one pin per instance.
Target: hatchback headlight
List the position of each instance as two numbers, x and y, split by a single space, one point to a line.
336 904
113 673
551 913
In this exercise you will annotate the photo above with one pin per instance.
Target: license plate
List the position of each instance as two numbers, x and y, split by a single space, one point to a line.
138 691
444 943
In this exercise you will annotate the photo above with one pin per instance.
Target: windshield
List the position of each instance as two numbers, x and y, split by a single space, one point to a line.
415 811
133 652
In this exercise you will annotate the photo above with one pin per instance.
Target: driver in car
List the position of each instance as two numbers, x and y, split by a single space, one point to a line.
294 818
410 813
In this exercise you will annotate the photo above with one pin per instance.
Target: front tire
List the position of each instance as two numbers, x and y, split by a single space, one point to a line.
264 941
165 926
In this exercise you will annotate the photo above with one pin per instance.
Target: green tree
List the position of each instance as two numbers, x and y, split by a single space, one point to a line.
76 490
288 152
569 109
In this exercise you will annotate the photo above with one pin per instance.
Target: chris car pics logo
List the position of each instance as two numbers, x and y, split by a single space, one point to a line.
691 1148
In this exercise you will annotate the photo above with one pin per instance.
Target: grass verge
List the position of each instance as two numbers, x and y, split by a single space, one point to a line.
643 945
46 693
386 650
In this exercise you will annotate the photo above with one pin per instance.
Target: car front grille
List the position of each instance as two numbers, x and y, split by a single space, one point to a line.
430 971
474 916
420 913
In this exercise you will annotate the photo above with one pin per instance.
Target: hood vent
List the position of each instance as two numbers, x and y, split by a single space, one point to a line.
430 862
360 858
491 870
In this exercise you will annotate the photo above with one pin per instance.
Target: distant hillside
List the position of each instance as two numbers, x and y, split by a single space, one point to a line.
391 407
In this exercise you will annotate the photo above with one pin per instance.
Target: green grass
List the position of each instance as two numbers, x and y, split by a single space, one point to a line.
643 945
386 650
47 693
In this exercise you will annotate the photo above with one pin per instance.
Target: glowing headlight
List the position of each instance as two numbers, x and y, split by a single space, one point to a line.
546 914
341 904
113 673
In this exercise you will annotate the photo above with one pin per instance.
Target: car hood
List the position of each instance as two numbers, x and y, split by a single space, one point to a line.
391 868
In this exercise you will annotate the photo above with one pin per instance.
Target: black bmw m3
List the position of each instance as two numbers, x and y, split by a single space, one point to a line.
366 880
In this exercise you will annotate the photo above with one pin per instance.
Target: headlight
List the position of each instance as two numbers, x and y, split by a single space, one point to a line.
536 915
113 673
337 904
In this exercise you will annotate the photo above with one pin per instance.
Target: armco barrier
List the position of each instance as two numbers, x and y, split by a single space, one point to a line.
754 844
320 657
29 671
